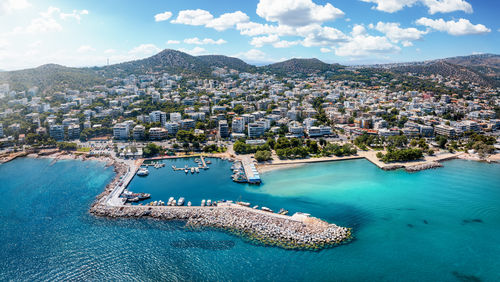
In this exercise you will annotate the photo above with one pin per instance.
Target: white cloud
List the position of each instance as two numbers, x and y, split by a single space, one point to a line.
145 49
362 44
202 17
9 6
435 6
85 49
48 21
254 29
285 44
173 42
77 15
325 50
227 20
395 33
40 25
206 41
460 27
391 6
447 6
263 40
109 51
297 12
254 55
163 16
316 35
193 17
196 51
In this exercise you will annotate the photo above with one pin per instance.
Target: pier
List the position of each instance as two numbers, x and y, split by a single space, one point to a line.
251 172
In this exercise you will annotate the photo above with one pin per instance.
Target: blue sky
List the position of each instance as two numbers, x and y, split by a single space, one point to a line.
88 33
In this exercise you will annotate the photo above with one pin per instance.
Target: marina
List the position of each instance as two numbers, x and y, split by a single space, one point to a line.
299 231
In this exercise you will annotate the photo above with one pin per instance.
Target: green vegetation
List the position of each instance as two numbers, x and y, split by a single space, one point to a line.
66 146
400 155
261 156
152 150
240 147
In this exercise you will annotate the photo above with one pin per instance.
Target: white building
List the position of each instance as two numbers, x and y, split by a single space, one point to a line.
138 132
238 125
172 127
56 131
445 130
223 129
175 117
121 131
73 131
255 130
158 116
157 133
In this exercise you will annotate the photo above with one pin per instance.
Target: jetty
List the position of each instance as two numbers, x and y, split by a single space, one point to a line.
251 173
299 231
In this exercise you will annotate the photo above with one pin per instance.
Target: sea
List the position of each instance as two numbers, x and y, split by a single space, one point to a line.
434 225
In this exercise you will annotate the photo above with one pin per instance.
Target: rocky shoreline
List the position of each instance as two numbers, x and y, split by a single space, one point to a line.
424 166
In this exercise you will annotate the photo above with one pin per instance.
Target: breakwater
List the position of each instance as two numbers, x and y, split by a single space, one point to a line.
299 232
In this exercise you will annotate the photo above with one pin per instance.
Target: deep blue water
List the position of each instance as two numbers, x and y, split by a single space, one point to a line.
435 225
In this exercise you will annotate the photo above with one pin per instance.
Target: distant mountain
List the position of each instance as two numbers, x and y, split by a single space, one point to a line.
229 62
172 61
51 76
302 66
483 69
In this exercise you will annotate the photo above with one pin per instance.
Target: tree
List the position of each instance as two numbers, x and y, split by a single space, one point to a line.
261 156
441 140
66 146
239 109
151 150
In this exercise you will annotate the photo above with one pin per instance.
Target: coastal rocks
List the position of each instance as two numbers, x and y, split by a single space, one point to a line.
392 167
423 166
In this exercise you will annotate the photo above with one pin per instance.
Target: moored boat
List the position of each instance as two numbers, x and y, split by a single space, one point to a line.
143 172
181 201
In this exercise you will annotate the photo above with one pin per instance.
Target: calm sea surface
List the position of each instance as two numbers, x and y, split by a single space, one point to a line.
435 225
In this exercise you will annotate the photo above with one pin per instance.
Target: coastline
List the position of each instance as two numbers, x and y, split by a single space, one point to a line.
428 162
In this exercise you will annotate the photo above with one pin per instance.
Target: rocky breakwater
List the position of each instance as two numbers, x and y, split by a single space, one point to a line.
298 232
423 166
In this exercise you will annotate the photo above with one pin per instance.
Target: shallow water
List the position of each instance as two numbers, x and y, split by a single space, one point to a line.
440 225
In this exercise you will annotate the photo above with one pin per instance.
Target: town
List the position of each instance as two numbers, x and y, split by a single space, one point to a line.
271 116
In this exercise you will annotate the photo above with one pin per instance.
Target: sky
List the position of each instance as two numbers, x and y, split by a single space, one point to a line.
92 32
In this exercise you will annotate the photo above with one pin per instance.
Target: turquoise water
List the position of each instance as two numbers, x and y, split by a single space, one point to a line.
435 225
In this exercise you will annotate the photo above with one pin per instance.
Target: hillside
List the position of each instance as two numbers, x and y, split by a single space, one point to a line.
168 60
229 62
302 66
51 77
445 69
483 69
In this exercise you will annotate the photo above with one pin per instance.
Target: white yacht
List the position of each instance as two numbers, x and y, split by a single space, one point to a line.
143 172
